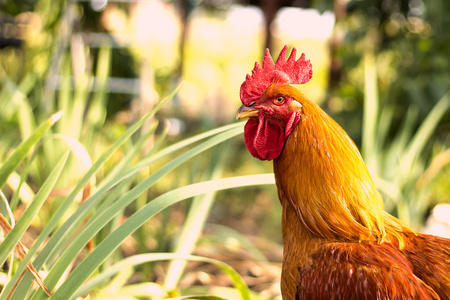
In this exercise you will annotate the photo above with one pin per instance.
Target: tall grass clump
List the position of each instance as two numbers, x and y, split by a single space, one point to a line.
77 187
59 247
400 158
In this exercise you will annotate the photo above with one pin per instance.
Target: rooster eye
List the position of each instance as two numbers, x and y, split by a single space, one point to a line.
279 101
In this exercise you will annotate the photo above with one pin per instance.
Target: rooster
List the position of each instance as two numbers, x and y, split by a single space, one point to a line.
339 243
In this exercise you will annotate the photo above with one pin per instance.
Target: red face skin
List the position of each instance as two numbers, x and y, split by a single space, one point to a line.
272 119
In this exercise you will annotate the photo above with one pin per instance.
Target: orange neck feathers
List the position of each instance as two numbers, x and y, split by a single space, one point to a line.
321 175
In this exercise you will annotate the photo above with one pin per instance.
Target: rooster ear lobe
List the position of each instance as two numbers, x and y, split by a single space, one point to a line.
295 106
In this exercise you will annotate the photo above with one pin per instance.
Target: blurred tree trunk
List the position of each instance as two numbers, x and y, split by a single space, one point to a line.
270 9
185 7
340 12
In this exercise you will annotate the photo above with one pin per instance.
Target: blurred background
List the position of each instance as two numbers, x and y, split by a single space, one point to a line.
381 69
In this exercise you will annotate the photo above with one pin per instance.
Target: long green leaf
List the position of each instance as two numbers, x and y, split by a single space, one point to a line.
106 247
370 112
194 224
425 130
97 111
136 260
11 240
13 161
12 96
186 142
120 168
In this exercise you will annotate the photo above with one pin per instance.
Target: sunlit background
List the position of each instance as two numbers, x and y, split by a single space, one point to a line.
381 69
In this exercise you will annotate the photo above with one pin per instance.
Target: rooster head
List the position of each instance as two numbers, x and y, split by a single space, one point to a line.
272 102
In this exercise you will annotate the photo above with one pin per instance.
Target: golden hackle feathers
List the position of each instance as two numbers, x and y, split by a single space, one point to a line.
322 175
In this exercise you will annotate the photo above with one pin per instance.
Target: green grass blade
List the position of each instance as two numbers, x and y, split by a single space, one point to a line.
106 247
139 259
26 120
424 132
13 161
193 225
216 234
189 141
370 112
238 127
11 240
396 148
21 189
13 96
120 169
97 110
384 124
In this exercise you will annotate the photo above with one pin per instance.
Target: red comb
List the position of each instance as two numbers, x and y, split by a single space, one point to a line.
283 71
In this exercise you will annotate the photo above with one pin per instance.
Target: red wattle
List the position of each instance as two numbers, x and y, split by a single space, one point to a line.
264 140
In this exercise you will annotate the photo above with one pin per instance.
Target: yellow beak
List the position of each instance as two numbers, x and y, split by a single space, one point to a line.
246 112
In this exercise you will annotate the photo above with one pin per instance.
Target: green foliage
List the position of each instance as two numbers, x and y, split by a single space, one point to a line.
73 232
13 161
398 164
395 75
